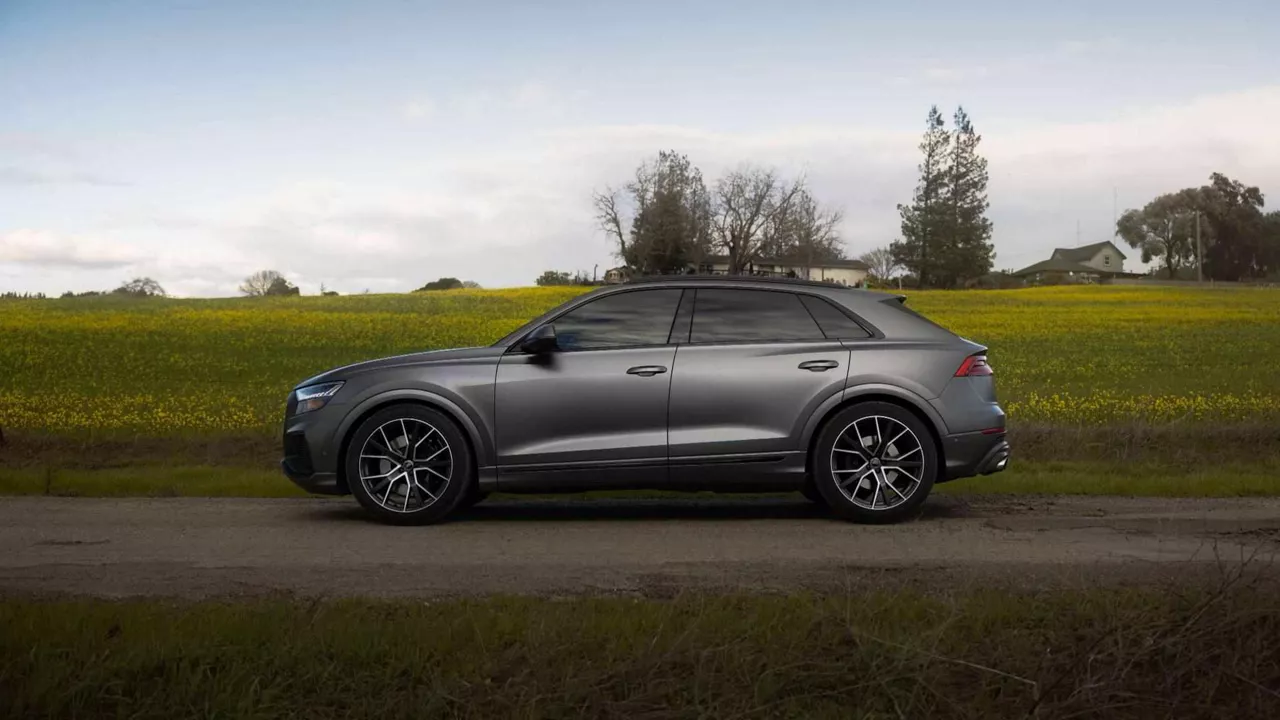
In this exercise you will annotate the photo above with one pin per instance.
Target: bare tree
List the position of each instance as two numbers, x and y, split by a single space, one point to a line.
260 283
881 262
804 232
609 218
748 207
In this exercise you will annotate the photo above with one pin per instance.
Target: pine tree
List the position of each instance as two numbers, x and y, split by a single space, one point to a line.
924 221
966 252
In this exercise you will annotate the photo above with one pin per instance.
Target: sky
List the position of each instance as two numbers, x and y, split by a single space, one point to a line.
380 144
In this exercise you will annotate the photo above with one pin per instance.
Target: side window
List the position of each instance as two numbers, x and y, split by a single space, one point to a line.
642 317
751 316
834 323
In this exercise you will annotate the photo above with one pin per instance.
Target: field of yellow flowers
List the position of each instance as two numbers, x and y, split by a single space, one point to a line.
1066 356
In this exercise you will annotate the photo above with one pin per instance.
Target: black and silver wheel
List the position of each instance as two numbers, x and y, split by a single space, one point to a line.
408 465
875 462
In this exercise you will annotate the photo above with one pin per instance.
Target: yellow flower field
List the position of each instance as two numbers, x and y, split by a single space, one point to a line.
1064 356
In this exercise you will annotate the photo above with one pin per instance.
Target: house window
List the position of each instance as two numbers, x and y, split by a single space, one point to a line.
1106 260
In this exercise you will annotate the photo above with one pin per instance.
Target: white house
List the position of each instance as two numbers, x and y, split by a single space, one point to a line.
840 272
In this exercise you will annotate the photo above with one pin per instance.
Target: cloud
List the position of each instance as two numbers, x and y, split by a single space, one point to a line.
502 213
10 175
530 94
419 109
42 248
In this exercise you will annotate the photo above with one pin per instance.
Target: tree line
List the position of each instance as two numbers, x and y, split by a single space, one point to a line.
1238 241
666 218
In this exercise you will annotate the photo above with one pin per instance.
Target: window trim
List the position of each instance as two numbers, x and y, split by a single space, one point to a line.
687 296
871 334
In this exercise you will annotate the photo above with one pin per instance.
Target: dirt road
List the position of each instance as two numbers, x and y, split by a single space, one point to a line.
214 547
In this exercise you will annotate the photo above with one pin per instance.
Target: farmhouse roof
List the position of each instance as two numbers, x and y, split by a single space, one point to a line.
1086 252
1056 264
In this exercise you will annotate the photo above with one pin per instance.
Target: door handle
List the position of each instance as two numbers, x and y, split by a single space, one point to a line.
647 370
819 365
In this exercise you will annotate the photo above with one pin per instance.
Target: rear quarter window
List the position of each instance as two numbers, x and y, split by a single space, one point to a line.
835 323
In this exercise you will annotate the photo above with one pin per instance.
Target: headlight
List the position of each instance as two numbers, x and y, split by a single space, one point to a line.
314 397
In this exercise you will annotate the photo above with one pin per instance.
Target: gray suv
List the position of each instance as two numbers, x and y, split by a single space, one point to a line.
731 384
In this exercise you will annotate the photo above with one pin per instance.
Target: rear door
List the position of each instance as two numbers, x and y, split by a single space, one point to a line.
755 366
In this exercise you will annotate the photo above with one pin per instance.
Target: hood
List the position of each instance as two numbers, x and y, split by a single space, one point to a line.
430 357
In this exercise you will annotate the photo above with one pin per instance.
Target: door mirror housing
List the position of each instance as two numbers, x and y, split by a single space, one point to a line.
540 341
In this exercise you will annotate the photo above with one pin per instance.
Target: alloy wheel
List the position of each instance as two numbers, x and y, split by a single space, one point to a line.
405 465
877 462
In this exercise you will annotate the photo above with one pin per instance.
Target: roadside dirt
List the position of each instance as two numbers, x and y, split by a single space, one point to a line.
237 547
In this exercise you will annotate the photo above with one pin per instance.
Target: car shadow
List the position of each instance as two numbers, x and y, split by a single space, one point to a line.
726 508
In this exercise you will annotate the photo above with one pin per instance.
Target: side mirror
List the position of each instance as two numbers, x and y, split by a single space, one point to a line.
540 341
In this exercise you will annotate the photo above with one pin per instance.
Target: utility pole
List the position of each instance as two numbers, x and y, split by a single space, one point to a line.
1199 254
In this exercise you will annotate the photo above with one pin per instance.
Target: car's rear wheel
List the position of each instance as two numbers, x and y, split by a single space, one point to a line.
409 465
875 462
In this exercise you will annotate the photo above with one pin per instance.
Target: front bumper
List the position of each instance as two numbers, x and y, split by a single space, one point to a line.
309 456
317 483
969 454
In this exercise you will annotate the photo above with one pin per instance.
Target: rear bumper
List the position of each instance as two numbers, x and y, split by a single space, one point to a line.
969 454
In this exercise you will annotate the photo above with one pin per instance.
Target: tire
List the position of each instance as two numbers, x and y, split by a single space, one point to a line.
810 492
473 498
875 462
429 487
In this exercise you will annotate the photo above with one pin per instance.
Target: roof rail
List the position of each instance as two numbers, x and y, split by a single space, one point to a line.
768 280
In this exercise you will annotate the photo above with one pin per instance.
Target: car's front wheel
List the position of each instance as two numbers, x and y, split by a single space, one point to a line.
875 462
408 465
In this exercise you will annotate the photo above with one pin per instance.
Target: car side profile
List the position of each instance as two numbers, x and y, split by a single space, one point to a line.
730 384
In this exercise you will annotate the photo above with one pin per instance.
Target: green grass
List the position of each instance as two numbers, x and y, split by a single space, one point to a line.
968 654
1047 478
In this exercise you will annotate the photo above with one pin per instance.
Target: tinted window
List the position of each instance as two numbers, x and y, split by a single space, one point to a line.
751 316
631 318
834 323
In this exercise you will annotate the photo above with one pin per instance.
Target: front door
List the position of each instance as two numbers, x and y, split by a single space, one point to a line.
594 413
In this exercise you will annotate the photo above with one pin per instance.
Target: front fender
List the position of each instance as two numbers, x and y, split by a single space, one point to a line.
481 440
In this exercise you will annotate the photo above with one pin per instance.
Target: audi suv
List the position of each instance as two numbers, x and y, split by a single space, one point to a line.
729 384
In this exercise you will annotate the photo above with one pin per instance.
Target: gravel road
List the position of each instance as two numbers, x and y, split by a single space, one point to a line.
218 547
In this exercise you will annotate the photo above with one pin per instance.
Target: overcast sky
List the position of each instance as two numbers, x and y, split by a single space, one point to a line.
381 144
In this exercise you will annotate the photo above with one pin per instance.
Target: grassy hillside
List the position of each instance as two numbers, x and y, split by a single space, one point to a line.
1065 357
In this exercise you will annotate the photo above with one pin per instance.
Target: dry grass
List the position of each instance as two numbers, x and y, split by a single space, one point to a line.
984 654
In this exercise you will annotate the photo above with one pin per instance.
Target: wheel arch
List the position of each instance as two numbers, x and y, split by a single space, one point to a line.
413 397
877 393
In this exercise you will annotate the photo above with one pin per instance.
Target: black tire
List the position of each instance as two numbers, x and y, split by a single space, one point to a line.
852 494
473 498
810 492
419 422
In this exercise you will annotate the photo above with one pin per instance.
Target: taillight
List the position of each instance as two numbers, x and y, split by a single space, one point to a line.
975 366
